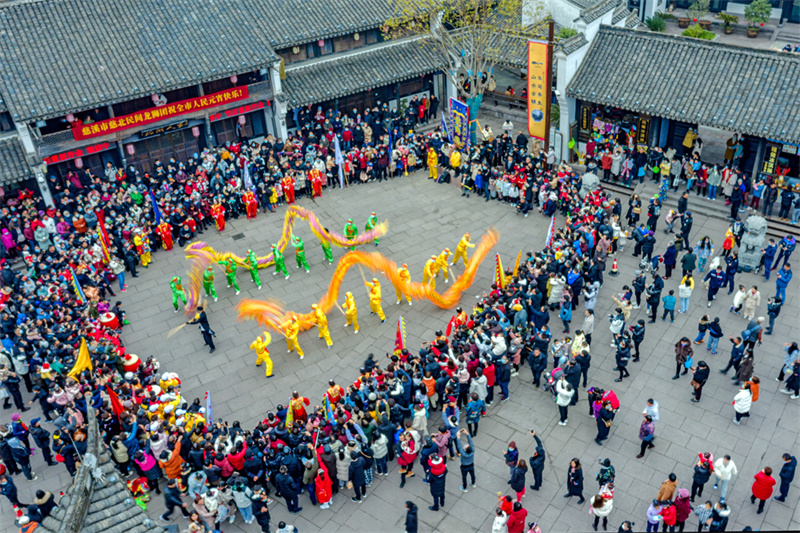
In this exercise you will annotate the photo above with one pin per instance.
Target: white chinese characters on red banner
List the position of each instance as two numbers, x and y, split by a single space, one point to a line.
78 152
241 110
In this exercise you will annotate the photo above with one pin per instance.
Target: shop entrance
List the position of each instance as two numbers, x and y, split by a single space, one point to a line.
178 144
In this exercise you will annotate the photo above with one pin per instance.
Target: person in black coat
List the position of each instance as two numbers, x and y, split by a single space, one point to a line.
205 329
604 420
622 357
575 480
537 462
436 481
42 439
517 480
701 373
538 362
702 473
584 360
637 335
572 374
411 517
288 489
356 476
787 476
261 511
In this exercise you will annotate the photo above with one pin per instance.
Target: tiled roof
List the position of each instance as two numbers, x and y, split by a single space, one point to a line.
633 20
111 508
13 166
573 44
626 68
376 66
597 9
620 12
62 56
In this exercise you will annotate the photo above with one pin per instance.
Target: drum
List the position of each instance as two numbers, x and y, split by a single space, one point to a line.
109 321
131 362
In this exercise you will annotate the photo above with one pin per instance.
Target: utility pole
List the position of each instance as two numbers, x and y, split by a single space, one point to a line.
549 85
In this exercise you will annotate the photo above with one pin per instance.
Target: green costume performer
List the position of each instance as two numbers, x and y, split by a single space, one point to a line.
177 292
230 273
252 264
326 249
350 231
208 283
372 221
280 263
300 253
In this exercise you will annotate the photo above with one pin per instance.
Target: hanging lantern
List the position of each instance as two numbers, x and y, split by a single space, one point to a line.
295 50
356 36
321 43
79 163
154 98
234 79
242 119
70 118
130 149
195 131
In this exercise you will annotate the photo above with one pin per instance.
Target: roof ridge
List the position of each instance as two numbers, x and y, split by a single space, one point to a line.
357 52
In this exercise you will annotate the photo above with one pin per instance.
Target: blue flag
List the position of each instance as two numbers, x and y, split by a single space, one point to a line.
329 410
339 160
156 210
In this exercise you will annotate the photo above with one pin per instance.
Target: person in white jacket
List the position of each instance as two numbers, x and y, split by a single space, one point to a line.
724 469
602 504
565 392
742 402
500 520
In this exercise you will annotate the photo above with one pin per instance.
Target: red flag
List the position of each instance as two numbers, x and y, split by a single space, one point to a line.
400 337
450 325
116 405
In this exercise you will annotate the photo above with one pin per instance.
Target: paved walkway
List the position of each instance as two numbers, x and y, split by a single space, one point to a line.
424 218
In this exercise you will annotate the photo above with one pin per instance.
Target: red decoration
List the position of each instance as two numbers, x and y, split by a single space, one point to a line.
762 23
694 20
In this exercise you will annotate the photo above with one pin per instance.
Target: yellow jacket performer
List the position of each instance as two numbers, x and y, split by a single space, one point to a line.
262 354
433 163
375 298
350 310
291 329
322 325
405 276
441 264
461 250
429 274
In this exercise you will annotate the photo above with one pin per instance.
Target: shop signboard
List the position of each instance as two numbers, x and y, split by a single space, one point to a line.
79 152
771 154
175 126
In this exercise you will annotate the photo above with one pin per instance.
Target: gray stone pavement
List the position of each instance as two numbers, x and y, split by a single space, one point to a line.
423 219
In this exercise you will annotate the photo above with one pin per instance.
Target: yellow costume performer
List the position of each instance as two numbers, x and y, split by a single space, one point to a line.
441 264
262 354
433 162
461 250
375 298
405 277
350 310
429 274
291 329
322 324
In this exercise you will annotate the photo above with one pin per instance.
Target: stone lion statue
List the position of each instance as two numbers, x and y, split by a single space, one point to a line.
752 242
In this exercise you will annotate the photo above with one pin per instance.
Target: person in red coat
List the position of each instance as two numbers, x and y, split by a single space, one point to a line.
288 189
683 507
489 372
762 488
516 520
323 484
669 515
249 199
164 231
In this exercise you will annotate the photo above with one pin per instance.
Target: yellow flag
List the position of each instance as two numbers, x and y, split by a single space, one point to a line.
84 362
516 265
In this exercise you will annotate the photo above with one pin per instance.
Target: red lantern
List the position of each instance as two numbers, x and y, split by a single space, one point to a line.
242 119
79 163
321 43
234 79
762 24
130 149
70 118
195 131
694 20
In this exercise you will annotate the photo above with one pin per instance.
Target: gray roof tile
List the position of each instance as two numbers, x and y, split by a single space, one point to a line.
59 56
626 68
13 166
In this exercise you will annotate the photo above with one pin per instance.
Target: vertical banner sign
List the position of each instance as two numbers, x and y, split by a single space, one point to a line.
459 119
538 88
643 131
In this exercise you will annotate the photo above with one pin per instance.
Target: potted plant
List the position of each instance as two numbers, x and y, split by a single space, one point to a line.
698 11
728 22
757 14
683 22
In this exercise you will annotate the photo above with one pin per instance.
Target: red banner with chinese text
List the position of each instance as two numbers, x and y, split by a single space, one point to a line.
157 114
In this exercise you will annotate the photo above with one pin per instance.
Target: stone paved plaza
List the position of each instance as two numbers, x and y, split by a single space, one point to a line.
423 219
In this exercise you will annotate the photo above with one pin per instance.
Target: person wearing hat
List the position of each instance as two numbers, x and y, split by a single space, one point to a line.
202 320
208 286
322 326
42 439
252 264
262 353
429 272
405 278
372 221
350 231
437 477
350 311
229 266
290 330
300 253
375 299
441 264
280 262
